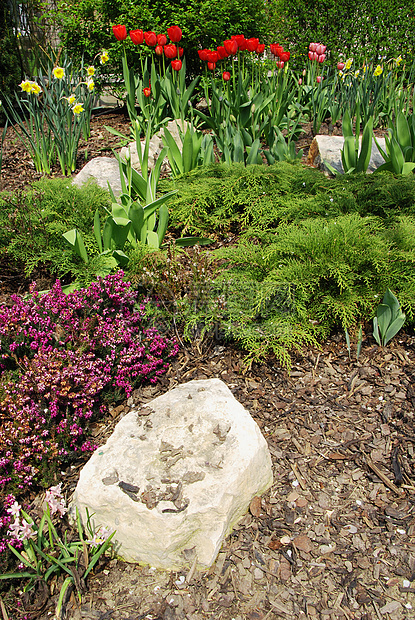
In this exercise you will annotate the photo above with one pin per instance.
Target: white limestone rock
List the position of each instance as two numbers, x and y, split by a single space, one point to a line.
102 170
176 476
328 149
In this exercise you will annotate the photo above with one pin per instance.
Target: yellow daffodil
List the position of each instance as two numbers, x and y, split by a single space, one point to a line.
357 73
104 57
91 85
378 71
398 61
341 73
26 86
35 88
71 100
90 71
348 64
77 109
59 72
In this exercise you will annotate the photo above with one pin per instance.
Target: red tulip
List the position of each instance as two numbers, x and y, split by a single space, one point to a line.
137 36
211 66
212 56
312 47
285 56
181 51
251 44
170 51
321 58
161 39
150 38
319 78
159 50
300 81
260 48
176 65
226 76
240 40
231 46
280 64
120 32
340 66
203 54
147 92
222 52
320 49
175 34
312 55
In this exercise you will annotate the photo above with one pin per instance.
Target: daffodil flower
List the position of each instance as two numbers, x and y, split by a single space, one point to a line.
398 60
90 71
91 85
104 57
35 88
349 63
59 72
71 99
26 86
356 73
378 71
78 108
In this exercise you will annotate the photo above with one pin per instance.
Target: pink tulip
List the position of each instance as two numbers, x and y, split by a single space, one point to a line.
312 47
321 58
319 78
312 55
300 81
320 49
340 66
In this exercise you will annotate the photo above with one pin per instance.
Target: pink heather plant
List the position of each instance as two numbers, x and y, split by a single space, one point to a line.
66 353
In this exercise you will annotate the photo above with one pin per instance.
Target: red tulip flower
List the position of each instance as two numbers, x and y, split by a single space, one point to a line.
285 56
170 51
320 49
231 46
313 47
319 78
137 36
312 55
252 44
176 65
147 92
340 66
321 58
222 52
240 40
212 56
260 48
181 52
120 32
211 66
159 50
226 76
203 54
280 64
161 39
150 38
175 34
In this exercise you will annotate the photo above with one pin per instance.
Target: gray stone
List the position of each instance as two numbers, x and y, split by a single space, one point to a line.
155 145
328 149
176 476
102 170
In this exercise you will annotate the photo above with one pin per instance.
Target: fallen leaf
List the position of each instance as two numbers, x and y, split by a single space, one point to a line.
255 507
303 543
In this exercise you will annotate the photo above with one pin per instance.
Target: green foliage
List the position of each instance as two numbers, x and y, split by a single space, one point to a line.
11 68
400 146
349 28
224 199
32 225
388 320
356 156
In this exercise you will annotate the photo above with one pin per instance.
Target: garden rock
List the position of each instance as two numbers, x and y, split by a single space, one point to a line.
155 146
102 170
328 149
176 476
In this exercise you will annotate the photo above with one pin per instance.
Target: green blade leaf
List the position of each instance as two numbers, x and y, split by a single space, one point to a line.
394 327
97 230
384 316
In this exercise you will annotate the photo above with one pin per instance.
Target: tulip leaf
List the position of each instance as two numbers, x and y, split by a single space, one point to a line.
163 223
97 230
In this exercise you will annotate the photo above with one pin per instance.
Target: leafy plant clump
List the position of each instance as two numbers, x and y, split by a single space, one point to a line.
32 224
61 358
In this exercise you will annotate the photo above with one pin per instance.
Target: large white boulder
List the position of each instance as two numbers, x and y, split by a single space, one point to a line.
176 476
102 170
327 149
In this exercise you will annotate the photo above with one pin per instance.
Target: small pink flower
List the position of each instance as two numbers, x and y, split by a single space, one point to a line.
26 530
319 78
14 509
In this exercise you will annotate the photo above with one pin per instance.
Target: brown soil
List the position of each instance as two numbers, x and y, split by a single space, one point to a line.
334 538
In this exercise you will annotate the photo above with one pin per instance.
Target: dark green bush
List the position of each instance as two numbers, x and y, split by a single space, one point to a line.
370 30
